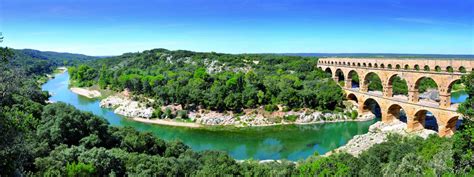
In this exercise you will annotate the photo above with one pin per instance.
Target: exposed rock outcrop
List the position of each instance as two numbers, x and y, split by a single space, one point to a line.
377 134
86 92
126 107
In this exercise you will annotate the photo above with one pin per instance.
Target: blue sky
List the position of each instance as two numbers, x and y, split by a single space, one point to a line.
108 27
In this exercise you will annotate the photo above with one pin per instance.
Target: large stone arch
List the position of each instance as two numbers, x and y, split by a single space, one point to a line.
419 119
448 128
413 89
339 75
352 97
366 106
389 92
328 70
366 81
393 112
450 85
349 76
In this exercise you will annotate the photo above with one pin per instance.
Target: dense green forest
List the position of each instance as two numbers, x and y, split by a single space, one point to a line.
37 62
39 139
215 81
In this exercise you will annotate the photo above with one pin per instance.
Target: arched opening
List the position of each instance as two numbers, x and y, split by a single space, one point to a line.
389 66
449 69
365 65
370 65
451 126
320 68
373 82
427 68
428 91
382 66
354 78
462 69
332 62
352 97
437 69
399 87
328 71
339 63
343 63
353 64
407 67
358 64
340 77
395 112
375 65
398 66
457 92
417 67
372 106
424 119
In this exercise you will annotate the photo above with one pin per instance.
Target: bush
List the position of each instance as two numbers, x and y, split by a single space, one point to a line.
271 107
168 113
158 113
183 114
354 114
291 118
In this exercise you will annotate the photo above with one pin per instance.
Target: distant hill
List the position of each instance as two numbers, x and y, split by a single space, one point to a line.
35 61
56 57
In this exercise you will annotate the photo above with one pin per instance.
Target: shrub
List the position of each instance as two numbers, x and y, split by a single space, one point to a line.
158 113
271 107
291 118
183 114
354 114
168 113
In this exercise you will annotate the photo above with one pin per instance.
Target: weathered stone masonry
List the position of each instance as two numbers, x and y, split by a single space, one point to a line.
445 72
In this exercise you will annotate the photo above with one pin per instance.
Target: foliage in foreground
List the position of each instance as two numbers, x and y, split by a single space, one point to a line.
58 140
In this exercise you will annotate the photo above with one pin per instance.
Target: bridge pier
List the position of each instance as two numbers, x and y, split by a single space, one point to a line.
445 100
416 121
364 88
335 78
348 83
387 91
413 96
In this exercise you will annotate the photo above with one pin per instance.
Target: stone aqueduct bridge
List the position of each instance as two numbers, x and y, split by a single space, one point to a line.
444 72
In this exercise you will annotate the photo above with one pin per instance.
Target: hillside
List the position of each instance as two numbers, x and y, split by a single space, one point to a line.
36 62
215 81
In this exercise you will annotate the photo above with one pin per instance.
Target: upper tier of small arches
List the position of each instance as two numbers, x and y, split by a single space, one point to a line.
438 65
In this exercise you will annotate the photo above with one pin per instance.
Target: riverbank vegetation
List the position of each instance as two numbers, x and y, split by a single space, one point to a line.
215 81
39 139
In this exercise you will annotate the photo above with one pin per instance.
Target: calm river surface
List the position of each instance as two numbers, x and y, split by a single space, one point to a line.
291 142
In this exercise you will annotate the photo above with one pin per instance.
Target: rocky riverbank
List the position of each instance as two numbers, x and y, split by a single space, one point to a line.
86 92
123 105
377 134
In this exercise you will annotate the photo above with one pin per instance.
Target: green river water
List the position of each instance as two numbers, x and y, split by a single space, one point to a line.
293 142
